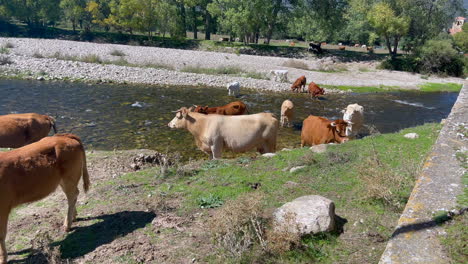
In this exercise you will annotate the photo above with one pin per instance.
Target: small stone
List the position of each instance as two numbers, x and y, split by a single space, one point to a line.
319 148
134 166
411 135
269 155
286 149
40 78
294 169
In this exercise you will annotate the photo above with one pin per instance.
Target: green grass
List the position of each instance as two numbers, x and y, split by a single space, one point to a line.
227 70
335 174
441 87
363 89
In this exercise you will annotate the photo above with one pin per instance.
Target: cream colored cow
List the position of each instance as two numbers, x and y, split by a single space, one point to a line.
287 113
241 133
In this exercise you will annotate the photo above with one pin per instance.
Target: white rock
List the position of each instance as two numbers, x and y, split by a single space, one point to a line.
319 148
310 215
411 135
269 155
294 169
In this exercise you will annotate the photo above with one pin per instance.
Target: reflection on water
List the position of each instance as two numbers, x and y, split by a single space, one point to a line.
136 116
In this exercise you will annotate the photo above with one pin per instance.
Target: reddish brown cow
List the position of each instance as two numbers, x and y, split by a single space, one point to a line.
34 171
299 84
17 130
342 47
318 130
315 90
234 108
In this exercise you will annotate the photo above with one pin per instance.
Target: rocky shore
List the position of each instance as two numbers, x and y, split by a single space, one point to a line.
63 60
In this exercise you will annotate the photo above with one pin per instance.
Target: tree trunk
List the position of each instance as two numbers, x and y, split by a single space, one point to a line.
269 34
74 26
194 14
395 46
207 26
389 47
184 19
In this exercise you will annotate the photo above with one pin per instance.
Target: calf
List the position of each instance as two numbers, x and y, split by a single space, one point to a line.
315 90
279 75
234 108
233 89
299 84
34 171
287 113
241 133
17 130
318 130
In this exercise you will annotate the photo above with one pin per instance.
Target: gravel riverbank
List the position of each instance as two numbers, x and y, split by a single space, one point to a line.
43 57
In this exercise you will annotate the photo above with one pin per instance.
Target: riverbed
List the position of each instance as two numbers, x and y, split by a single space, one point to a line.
117 116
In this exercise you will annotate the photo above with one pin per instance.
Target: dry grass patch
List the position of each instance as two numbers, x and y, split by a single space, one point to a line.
296 64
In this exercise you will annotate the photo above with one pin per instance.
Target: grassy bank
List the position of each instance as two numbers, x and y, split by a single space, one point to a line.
426 87
150 217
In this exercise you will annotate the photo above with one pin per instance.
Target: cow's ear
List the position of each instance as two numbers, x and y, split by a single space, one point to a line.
184 111
333 124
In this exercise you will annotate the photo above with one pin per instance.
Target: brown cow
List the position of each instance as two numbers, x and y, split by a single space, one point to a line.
341 47
34 171
315 90
234 108
17 130
318 130
299 84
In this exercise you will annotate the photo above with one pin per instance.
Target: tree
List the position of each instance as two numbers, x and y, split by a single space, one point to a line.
382 17
461 39
35 13
318 20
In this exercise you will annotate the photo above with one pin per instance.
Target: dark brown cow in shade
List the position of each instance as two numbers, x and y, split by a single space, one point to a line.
234 108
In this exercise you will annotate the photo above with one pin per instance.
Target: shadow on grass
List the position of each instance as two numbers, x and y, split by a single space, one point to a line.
107 228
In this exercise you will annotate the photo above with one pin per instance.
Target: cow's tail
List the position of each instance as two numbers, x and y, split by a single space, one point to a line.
85 174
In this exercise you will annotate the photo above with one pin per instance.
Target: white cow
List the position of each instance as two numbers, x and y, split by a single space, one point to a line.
354 113
287 113
233 88
279 75
240 133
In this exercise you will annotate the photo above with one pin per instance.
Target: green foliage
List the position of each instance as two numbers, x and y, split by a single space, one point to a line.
461 39
210 201
387 24
455 240
401 63
439 56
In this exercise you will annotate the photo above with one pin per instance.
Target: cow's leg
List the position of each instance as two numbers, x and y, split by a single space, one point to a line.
4 212
71 191
282 120
217 149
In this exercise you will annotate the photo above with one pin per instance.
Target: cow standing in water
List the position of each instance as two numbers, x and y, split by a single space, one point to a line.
34 171
17 130
213 133
287 113
354 114
315 91
318 130
299 84
234 108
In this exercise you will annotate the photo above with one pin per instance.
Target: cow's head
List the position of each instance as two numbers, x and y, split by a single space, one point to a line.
200 109
180 118
342 129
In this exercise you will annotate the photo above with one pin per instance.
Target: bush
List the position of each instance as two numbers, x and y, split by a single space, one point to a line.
461 39
439 56
403 63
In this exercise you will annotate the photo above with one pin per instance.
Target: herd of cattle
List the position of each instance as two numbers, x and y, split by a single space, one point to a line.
40 164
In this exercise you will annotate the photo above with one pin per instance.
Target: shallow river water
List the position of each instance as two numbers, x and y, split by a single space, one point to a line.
114 116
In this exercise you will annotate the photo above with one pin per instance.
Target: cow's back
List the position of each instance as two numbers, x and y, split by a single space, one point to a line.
17 130
32 172
243 132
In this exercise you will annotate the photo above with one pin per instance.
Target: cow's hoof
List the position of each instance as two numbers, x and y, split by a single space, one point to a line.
66 229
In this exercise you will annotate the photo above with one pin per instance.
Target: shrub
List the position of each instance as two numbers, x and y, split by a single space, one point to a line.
91 59
461 39
296 64
239 224
118 53
210 201
403 63
439 56
4 50
5 60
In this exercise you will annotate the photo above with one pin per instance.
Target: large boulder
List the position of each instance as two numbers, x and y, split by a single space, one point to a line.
307 215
